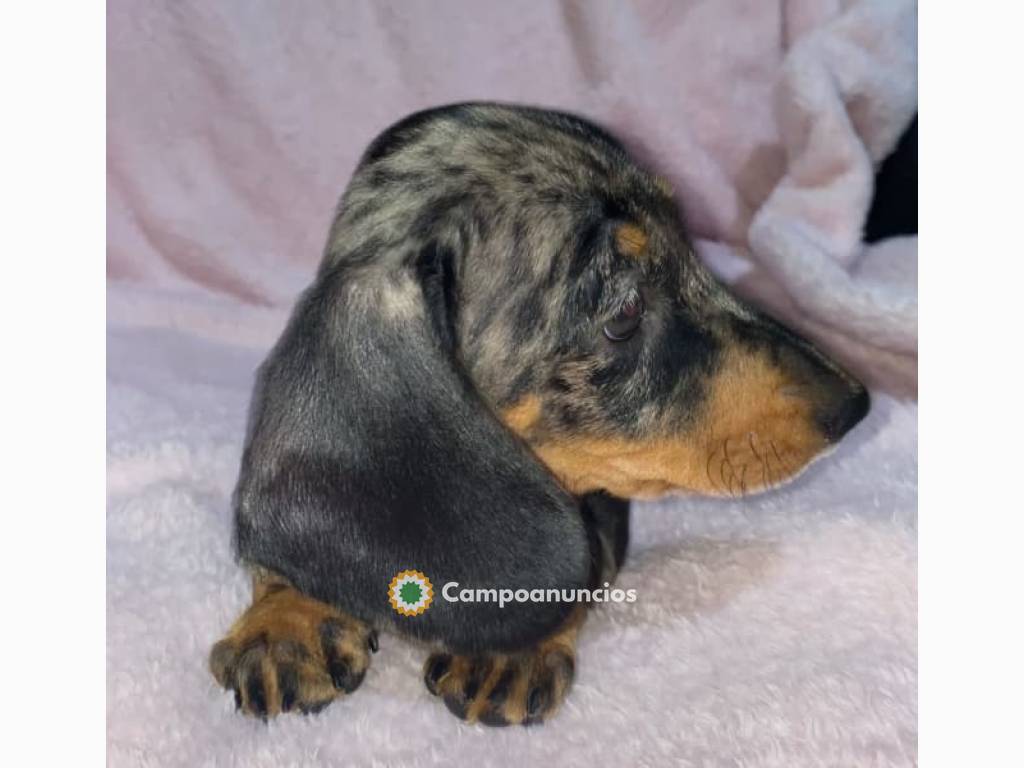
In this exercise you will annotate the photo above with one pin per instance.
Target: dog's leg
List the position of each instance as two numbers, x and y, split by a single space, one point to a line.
607 521
289 652
528 687
505 689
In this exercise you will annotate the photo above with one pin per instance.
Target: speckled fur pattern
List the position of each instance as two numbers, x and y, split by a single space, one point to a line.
448 396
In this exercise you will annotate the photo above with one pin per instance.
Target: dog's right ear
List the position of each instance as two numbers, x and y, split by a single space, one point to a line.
369 453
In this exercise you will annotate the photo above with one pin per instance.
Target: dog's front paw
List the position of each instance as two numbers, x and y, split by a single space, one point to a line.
503 689
291 653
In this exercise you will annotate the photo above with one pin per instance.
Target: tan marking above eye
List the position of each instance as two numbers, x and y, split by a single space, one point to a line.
523 415
631 240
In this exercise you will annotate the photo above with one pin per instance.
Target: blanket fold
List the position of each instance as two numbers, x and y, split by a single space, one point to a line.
846 93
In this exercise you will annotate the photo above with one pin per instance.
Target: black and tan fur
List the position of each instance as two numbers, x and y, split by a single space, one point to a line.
447 397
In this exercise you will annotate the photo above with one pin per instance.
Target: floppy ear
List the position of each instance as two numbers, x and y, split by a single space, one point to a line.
369 453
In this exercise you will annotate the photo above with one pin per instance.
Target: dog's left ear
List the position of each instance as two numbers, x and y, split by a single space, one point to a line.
370 452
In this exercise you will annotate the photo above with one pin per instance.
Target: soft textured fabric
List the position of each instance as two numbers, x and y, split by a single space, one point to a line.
778 630
773 631
232 126
846 93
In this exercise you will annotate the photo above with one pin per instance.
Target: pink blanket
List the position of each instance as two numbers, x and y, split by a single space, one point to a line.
234 125
776 631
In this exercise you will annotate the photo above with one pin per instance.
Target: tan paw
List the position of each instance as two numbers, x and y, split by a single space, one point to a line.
289 653
503 689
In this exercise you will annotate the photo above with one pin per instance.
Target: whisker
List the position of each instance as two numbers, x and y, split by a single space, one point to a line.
781 461
732 469
707 468
773 483
763 460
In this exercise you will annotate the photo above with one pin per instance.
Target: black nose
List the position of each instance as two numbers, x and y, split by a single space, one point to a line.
841 418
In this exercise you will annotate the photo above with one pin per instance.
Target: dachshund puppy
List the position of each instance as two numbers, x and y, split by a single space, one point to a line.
509 335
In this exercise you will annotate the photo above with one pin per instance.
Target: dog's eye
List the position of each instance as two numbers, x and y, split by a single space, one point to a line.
627 320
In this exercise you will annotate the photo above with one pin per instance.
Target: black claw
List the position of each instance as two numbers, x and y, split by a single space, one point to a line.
372 643
288 685
501 688
437 670
315 708
456 705
481 669
340 668
536 702
287 702
238 699
492 718
472 686
343 677
256 693
341 674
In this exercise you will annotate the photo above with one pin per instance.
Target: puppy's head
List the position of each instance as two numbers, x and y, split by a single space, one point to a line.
561 276
509 313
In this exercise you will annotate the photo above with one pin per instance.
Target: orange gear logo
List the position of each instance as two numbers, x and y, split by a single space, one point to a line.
410 593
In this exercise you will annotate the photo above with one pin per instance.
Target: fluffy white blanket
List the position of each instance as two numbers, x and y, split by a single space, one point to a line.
774 631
